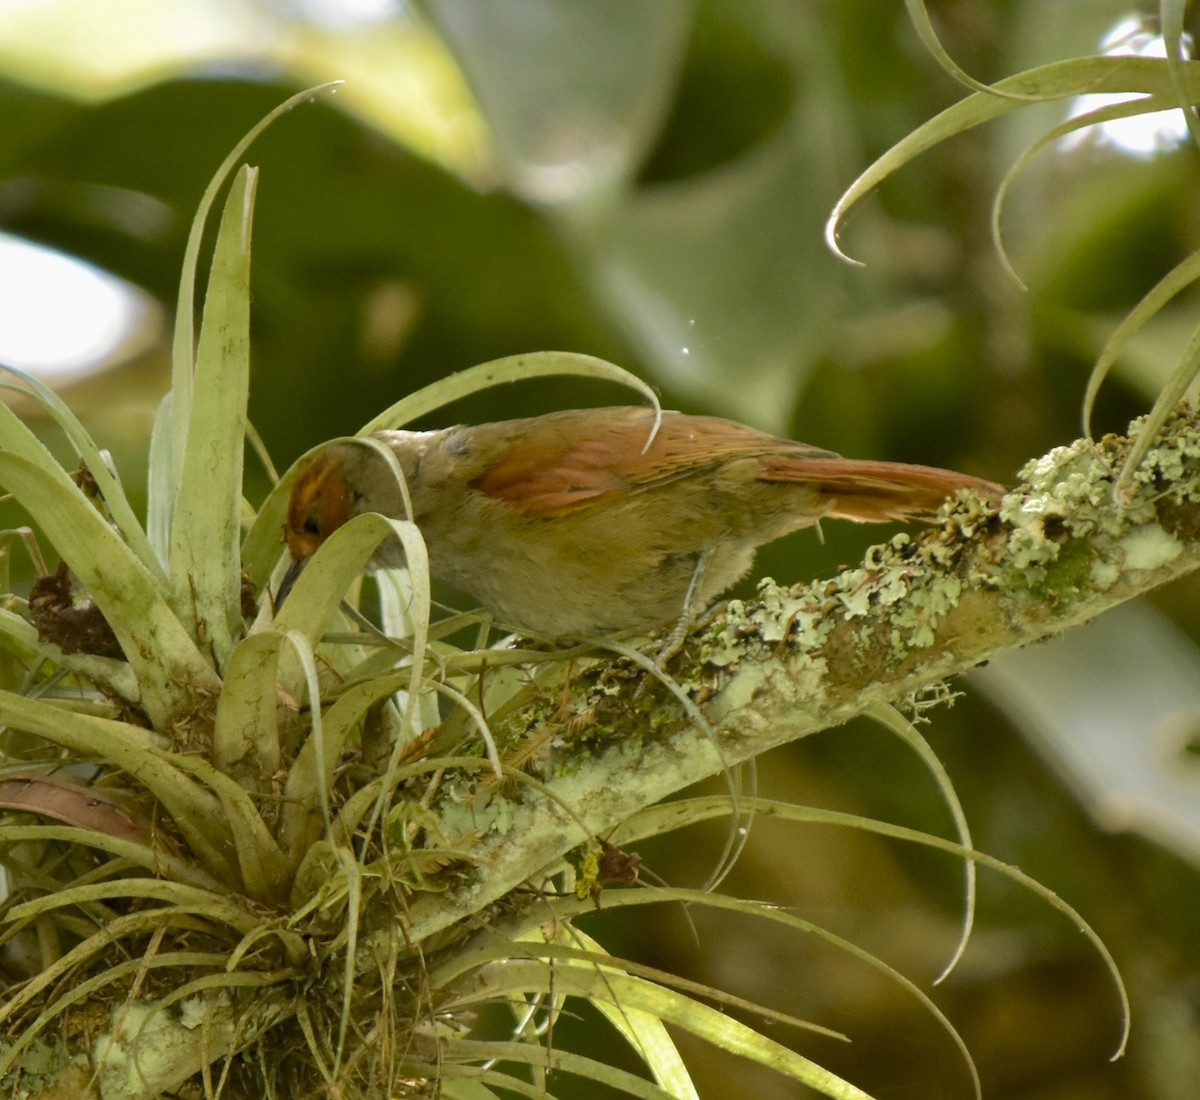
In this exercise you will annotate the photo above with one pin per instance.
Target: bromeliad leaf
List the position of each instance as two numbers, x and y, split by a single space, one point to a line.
169 667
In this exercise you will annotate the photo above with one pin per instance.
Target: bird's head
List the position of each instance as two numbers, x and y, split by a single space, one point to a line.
321 502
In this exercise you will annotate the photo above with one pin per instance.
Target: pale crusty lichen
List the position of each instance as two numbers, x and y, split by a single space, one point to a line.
754 630
1148 547
1173 464
1059 536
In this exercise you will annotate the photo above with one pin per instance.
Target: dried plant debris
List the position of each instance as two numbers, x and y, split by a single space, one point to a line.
74 625
85 806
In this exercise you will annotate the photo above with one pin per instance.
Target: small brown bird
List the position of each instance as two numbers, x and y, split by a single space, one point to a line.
590 522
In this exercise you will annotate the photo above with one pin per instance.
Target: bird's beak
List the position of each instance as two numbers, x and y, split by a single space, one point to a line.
289 580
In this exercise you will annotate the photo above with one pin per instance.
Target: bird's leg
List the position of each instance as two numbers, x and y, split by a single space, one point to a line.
673 642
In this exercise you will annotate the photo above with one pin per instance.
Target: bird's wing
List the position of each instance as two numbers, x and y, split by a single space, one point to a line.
556 464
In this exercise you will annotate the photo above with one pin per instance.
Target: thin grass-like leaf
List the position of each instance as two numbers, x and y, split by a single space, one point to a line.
478 721
513 368
655 820
353 875
1169 396
1111 112
317 1047
160 481
537 1056
218 908
187 961
1172 14
206 528
736 837
306 788
226 1030
890 718
918 12
93 985
1177 279
530 942
258 447
627 993
20 638
1058 80
1168 287
143 921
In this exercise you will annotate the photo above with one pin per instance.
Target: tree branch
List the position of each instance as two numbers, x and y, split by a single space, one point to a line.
1056 552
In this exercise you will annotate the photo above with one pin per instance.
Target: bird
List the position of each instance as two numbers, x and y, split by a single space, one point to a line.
600 521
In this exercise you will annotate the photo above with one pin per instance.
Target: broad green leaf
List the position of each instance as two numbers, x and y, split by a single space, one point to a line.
307 787
182 350
170 669
194 810
245 732
110 489
206 530
263 869
644 1031
340 560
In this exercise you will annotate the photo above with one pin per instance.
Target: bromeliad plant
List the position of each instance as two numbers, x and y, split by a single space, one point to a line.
225 875
219 813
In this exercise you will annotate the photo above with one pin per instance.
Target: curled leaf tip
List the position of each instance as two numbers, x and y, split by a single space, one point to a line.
831 242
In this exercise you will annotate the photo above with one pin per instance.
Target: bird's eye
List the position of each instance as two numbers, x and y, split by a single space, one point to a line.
311 526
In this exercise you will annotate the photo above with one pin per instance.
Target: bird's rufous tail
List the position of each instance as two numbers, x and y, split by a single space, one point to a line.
876 492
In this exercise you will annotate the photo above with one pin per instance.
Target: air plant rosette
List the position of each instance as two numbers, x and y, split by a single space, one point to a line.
239 842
